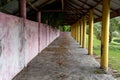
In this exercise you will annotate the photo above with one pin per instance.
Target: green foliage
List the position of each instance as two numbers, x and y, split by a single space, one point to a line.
87 29
97 30
65 28
114 26
115 34
114 42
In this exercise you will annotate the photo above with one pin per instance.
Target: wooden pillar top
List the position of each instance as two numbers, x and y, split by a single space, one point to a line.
23 8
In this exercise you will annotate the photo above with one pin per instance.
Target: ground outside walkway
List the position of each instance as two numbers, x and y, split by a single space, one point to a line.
64 59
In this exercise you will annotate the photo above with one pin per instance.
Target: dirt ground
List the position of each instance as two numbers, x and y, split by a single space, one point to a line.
64 59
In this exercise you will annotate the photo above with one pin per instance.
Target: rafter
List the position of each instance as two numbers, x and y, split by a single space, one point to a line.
32 6
45 3
89 5
80 11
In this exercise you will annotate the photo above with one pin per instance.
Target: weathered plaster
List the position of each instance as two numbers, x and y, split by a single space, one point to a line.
19 43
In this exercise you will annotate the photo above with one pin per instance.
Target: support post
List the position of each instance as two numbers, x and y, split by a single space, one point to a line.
23 9
76 31
84 32
81 32
105 34
62 1
90 40
73 30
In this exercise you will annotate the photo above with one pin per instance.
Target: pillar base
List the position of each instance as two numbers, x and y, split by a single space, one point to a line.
105 70
90 54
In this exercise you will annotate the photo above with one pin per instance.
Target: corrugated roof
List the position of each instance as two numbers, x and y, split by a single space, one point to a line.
73 9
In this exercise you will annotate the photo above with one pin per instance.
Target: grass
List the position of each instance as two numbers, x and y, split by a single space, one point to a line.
114 52
114 55
115 43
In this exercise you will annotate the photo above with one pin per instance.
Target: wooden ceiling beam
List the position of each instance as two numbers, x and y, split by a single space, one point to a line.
87 9
69 3
66 10
115 13
77 14
112 15
69 8
46 3
32 6
98 3
76 4
74 11
80 11
89 5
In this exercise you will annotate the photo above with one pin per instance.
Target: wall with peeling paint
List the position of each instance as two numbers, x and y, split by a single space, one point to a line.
19 43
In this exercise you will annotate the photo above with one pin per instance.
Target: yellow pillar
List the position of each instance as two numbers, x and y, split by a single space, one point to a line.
72 30
84 32
81 32
90 40
76 32
105 36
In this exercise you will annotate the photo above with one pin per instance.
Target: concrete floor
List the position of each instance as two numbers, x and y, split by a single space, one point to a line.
64 59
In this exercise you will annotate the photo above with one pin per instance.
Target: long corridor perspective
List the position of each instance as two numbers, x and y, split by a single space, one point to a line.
63 59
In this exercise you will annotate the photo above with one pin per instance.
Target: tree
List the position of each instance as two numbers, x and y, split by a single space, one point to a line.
65 28
97 30
114 26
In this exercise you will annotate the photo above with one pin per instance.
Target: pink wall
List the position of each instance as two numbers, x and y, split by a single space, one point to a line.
65 33
19 43
31 35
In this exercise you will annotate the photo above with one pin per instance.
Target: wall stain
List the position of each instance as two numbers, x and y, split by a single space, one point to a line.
22 46
0 53
0 48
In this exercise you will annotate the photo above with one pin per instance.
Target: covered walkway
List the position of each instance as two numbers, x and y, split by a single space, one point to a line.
22 39
63 59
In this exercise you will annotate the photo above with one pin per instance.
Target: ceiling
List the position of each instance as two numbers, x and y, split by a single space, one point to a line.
72 9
